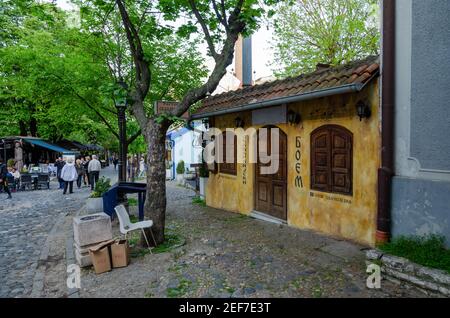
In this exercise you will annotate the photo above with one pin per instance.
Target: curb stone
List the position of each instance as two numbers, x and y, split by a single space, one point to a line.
70 256
39 276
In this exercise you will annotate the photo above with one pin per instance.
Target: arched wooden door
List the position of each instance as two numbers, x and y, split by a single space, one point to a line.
271 189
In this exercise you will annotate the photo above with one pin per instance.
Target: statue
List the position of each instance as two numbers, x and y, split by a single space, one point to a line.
18 155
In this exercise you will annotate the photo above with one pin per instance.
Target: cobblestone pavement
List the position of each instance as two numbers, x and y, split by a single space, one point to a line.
230 255
33 228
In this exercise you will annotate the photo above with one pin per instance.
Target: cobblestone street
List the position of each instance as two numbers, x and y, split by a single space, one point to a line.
224 255
230 255
33 230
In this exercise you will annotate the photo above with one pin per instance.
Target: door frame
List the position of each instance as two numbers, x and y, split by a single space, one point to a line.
255 177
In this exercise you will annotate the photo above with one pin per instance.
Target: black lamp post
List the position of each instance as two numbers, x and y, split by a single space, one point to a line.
121 105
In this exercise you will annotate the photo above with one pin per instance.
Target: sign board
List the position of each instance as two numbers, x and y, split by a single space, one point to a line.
162 107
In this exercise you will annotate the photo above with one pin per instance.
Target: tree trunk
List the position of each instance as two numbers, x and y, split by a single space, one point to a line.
33 127
155 203
23 128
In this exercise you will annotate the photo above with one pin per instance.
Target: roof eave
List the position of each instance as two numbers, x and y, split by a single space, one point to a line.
344 89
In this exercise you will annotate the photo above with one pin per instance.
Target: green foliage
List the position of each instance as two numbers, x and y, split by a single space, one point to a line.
199 201
132 202
10 163
308 32
101 187
181 290
180 167
426 250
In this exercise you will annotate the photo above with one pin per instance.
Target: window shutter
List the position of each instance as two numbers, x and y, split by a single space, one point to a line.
228 168
331 160
341 159
320 160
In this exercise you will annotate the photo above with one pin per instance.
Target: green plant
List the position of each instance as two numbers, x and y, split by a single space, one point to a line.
203 171
180 290
10 163
132 202
180 167
427 250
101 187
199 201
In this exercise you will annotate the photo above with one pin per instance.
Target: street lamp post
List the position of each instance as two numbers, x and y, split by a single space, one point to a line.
121 105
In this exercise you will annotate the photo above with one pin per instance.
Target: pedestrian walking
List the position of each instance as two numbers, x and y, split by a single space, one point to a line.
4 179
94 168
69 175
141 168
86 180
59 164
115 162
80 171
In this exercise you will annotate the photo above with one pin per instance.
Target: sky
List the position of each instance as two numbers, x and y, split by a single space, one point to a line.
262 55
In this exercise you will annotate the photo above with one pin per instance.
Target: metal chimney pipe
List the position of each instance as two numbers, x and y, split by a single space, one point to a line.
247 62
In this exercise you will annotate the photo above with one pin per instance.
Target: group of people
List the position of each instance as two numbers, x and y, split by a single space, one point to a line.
86 170
134 168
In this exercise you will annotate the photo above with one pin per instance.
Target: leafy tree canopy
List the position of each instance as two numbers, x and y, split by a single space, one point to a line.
308 32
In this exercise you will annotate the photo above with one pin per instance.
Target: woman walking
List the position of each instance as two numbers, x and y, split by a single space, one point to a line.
80 171
69 175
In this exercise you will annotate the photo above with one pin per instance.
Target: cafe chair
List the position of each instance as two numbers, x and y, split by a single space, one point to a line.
126 225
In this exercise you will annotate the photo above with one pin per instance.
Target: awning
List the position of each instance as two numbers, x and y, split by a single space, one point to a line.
44 144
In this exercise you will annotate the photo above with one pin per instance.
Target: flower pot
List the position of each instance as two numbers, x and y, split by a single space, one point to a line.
203 182
169 174
180 179
94 205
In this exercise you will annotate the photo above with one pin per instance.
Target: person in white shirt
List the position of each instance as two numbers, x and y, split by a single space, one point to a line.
94 168
69 175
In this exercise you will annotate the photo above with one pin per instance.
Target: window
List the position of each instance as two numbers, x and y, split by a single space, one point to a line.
331 160
229 150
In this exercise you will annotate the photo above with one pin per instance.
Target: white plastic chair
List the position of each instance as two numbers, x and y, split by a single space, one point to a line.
126 225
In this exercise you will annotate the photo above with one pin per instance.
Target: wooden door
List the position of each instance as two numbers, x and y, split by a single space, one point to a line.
271 189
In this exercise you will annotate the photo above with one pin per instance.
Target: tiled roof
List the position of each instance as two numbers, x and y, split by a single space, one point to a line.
357 72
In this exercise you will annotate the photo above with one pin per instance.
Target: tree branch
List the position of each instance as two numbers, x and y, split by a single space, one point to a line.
205 29
134 136
220 15
143 76
236 26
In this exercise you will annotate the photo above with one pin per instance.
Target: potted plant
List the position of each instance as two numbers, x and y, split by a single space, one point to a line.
10 163
180 172
94 203
204 175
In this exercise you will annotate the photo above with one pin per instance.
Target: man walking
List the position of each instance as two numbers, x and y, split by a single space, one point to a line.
94 168
59 164
3 178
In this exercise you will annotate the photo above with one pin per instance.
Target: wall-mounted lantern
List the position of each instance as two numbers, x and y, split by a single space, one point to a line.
239 122
293 118
363 110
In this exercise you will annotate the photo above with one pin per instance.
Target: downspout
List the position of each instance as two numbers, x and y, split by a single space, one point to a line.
386 171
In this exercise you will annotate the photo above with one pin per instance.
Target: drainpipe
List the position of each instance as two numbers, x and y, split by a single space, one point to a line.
386 172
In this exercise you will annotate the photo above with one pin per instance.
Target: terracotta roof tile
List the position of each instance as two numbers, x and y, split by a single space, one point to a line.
357 72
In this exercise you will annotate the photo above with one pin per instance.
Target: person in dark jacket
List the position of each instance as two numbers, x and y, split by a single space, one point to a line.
80 171
3 179
86 179
59 164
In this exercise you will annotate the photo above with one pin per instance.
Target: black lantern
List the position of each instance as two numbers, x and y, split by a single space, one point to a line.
293 118
239 122
363 110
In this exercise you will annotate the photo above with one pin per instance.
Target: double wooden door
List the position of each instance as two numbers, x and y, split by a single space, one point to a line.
271 189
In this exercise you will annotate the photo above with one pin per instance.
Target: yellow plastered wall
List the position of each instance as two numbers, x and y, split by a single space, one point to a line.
352 217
